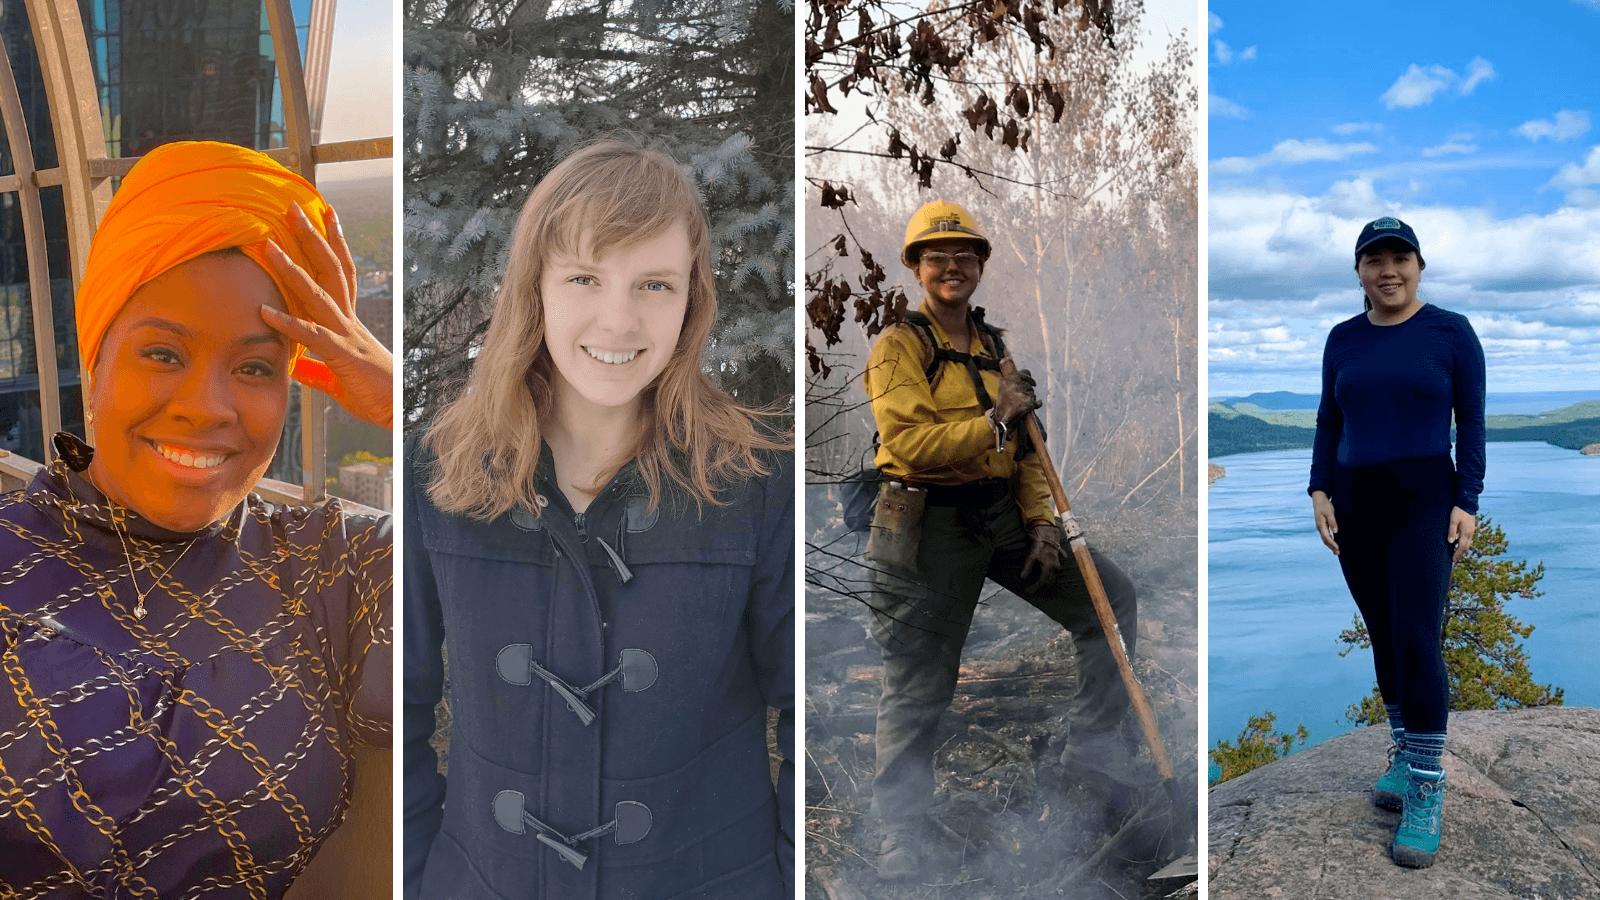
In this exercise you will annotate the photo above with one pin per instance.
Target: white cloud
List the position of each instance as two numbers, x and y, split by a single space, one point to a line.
1478 71
1354 199
1221 106
1227 55
1415 168
1358 127
1456 143
1574 175
1279 243
1251 338
1291 152
1280 277
1417 86
1581 182
1214 22
1503 328
1566 125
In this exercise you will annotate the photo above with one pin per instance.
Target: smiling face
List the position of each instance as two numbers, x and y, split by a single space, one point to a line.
1390 273
190 392
949 283
611 324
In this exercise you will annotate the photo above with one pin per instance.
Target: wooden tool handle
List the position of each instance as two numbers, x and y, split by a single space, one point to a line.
1097 592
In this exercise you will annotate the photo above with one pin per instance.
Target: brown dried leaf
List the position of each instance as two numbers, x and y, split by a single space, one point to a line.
819 96
1019 100
976 113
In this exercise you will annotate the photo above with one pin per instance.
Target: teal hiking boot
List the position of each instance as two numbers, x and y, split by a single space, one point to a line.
1417 839
1391 786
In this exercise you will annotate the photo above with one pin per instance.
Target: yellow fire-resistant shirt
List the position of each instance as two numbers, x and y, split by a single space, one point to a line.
939 435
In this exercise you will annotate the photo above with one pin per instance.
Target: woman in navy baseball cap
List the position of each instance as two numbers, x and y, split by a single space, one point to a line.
1395 508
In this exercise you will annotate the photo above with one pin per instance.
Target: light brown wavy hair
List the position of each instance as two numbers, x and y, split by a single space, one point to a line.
487 441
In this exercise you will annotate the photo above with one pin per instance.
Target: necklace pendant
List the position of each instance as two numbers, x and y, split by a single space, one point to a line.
139 611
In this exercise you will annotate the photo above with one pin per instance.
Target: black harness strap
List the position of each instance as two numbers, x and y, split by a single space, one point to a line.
973 364
865 482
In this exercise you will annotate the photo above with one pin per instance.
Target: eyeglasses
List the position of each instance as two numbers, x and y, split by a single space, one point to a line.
935 258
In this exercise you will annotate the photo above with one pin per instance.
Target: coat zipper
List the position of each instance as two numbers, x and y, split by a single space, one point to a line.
580 569
580 560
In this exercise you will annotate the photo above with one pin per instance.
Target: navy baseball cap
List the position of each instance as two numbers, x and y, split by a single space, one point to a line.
1386 227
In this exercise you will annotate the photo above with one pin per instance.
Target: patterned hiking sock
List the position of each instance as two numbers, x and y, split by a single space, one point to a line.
1397 726
1424 751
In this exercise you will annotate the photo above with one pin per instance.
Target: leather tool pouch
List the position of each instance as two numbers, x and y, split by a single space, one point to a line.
896 526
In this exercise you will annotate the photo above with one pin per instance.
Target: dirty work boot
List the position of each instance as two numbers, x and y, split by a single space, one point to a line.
1417 839
1391 786
900 857
1103 754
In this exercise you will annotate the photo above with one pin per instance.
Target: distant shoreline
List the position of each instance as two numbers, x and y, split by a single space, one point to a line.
1294 400
1280 420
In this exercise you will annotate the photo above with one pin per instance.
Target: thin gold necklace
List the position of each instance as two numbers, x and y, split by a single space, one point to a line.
138 610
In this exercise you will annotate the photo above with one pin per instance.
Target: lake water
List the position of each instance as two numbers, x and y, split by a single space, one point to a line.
1277 601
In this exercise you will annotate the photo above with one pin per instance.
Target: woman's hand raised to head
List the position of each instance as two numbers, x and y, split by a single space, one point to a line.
363 368
1322 511
1463 525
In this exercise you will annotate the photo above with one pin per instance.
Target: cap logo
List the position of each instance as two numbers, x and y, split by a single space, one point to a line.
1386 223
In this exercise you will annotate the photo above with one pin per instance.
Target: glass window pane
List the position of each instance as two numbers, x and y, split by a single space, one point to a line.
360 466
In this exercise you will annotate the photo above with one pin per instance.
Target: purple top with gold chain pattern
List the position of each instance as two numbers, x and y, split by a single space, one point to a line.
205 748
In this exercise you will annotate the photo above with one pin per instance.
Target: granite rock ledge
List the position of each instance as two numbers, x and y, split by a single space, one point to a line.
1522 817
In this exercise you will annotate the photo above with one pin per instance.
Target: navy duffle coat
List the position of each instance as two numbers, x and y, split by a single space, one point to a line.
610 675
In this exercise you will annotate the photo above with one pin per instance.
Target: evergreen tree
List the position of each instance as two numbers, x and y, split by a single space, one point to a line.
1258 744
1483 654
498 91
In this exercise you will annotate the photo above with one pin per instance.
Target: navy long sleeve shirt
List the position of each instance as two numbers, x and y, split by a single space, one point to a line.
1388 392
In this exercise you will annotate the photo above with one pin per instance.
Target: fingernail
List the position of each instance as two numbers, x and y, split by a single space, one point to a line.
299 213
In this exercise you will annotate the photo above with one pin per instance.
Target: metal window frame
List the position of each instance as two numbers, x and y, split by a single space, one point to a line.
85 172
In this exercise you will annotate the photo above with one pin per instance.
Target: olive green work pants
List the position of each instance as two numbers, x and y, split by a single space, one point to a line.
921 620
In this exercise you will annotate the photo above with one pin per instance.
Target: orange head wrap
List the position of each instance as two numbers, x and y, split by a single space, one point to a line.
183 200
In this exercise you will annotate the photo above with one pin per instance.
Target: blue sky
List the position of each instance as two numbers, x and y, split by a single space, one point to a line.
1477 123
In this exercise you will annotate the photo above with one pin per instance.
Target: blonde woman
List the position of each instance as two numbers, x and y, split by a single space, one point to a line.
604 542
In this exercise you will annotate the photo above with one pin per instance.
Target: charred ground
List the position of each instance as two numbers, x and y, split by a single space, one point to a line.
1011 821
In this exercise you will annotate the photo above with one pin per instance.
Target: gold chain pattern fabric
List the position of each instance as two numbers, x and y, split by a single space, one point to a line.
203 751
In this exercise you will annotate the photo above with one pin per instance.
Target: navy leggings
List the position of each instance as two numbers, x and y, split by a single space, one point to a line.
1393 519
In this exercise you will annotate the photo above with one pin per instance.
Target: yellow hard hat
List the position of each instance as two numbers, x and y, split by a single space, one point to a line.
941 220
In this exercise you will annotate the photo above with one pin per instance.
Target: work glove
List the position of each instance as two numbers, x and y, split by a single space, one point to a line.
1016 399
1044 559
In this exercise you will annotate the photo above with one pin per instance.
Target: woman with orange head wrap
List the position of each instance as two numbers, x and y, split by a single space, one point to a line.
190 664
